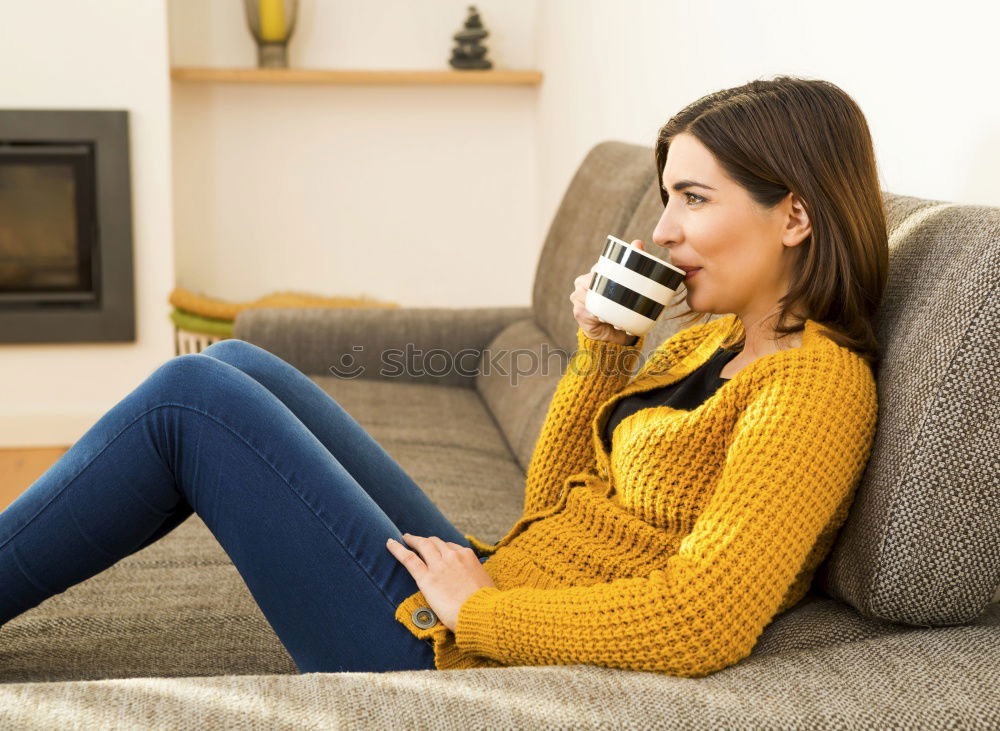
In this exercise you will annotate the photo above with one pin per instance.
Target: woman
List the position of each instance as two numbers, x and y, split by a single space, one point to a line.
667 518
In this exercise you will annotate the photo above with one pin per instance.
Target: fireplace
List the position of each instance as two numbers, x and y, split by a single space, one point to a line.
65 227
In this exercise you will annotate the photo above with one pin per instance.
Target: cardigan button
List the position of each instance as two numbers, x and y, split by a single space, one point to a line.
424 617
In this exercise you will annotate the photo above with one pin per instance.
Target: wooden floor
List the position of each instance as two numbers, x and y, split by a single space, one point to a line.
21 467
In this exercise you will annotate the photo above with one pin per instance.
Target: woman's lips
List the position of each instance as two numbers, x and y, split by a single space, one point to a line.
691 273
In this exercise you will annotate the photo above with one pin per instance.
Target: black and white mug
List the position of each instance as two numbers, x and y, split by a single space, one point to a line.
630 287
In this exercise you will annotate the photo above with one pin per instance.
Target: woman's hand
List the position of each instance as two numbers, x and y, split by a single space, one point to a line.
446 573
592 327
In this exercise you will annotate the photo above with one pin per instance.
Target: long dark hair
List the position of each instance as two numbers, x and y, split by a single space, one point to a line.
810 137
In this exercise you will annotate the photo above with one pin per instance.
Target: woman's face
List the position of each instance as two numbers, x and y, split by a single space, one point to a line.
745 252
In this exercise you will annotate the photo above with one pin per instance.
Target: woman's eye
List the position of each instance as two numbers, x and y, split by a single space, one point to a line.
698 198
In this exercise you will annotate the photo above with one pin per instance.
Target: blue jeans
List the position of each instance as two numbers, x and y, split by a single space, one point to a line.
301 498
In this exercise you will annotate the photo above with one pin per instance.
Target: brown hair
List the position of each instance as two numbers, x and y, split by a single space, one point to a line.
810 137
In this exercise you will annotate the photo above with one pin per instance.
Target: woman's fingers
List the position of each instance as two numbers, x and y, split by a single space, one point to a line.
439 544
449 548
592 325
580 286
427 550
424 546
413 563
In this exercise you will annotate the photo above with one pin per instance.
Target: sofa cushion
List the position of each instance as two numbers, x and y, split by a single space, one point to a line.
921 544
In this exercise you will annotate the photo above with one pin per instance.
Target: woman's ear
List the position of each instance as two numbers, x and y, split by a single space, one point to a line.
798 225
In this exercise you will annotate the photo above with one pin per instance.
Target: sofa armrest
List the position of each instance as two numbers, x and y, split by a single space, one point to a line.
429 345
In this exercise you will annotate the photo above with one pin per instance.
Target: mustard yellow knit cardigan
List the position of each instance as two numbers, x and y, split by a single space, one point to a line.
674 551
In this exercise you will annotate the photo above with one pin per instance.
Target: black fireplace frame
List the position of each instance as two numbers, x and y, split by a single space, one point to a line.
111 317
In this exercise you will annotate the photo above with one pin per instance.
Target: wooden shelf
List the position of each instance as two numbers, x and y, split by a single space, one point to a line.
326 76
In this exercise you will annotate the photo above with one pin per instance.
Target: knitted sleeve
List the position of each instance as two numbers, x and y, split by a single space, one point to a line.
595 372
797 453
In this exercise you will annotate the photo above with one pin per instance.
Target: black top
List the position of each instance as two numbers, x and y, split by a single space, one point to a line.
687 393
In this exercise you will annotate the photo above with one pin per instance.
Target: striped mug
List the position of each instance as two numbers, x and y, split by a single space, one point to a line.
630 288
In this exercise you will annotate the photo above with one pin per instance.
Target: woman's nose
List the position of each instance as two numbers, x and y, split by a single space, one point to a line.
667 232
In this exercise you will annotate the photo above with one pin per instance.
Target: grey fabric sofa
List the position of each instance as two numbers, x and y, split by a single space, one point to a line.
901 627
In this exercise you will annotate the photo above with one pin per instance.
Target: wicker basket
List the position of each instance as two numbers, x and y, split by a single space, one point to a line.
188 341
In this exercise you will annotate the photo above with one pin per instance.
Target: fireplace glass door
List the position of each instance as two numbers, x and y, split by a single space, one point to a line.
48 236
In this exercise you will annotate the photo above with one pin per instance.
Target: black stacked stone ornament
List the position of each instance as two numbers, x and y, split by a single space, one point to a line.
469 52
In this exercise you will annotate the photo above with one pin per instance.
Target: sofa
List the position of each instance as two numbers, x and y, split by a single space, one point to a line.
900 627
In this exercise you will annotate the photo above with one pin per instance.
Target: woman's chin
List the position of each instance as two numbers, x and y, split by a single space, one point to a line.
701 304
696 302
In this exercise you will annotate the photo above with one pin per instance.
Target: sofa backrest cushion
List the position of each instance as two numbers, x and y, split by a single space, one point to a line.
921 544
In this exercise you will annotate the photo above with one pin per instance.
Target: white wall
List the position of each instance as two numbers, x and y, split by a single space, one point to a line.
924 74
349 190
93 54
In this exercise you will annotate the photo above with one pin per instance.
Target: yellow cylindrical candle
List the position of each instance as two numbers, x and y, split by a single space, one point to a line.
272 20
